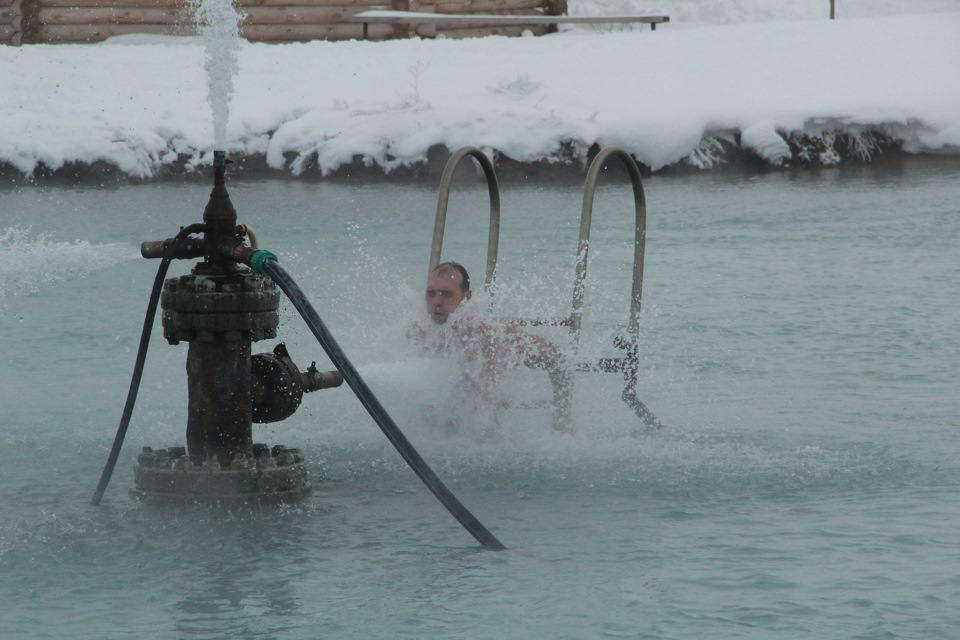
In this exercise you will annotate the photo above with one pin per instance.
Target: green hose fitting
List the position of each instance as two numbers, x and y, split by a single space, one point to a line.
259 257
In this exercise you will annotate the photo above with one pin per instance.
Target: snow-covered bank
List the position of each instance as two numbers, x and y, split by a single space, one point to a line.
780 93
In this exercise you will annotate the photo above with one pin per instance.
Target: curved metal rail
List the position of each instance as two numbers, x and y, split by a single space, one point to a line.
493 239
583 244
630 363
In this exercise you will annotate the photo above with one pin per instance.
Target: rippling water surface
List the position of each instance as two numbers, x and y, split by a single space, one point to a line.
799 340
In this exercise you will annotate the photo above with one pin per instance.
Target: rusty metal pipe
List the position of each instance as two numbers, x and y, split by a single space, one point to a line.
314 380
185 250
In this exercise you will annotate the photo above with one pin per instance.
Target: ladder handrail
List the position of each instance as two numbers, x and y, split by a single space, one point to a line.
629 365
493 239
583 244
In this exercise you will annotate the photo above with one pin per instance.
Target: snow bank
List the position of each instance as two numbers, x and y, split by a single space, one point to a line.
689 94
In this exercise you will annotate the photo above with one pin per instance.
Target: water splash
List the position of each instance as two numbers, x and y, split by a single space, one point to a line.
218 22
31 261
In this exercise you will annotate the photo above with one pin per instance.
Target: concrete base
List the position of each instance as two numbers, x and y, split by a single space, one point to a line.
277 475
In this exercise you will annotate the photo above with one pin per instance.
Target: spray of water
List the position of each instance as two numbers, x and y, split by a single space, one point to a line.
218 22
33 260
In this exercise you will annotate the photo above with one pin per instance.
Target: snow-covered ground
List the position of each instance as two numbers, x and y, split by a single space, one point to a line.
774 79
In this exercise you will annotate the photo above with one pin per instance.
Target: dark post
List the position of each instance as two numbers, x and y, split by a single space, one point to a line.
221 220
220 308
219 409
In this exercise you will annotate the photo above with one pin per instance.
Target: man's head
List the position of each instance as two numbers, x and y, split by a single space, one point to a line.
447 286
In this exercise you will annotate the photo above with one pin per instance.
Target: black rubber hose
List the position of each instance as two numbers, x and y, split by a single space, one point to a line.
376 410
168 255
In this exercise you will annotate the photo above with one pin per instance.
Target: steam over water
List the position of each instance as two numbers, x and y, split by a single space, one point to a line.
799 342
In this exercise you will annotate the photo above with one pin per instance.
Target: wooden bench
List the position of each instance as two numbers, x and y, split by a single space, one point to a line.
479 20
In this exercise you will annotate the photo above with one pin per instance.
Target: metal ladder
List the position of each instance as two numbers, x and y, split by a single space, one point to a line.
629 363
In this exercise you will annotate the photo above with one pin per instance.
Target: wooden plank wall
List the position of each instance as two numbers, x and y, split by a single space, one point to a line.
303 20
11 20
494 7
74 21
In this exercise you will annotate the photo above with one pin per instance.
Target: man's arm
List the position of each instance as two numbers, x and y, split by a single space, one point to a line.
540 353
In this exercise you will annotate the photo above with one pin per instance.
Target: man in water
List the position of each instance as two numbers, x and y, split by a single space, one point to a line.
488 344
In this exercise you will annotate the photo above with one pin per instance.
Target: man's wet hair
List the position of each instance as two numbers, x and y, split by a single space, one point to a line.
449 268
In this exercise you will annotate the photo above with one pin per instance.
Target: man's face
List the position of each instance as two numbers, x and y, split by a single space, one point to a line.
444 294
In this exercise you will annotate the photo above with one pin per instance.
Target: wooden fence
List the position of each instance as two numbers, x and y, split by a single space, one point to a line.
74 21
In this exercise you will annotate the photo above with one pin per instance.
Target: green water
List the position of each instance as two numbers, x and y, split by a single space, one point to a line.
799 341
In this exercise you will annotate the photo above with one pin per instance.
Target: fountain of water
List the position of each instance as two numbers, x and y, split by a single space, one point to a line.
228 301
220 309
218 23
